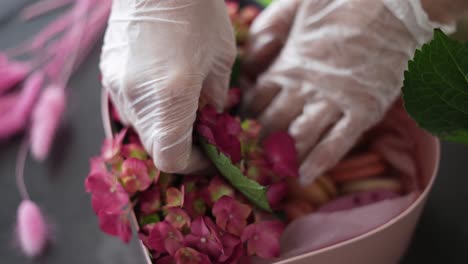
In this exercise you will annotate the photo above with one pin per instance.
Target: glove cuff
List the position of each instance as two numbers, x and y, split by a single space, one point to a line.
416 20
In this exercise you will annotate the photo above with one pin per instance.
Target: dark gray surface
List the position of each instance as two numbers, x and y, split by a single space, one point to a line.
57 185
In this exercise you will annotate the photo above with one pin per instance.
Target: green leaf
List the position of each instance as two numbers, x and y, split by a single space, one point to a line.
255 192
264 3
436 88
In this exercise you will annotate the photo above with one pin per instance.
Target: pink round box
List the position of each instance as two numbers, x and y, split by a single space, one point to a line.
383 245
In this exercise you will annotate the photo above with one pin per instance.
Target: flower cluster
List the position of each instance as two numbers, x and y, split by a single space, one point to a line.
196 218
190 218
241 19
269 162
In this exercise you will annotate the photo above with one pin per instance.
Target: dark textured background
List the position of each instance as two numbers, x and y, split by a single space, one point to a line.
57 185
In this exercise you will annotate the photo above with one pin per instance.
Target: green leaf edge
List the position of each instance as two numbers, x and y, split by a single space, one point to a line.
460 136
255 192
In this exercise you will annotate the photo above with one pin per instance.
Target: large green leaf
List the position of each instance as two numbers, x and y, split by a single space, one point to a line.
255 192
436 88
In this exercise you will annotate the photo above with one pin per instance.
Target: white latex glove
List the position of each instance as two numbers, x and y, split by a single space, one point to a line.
159 58
334 67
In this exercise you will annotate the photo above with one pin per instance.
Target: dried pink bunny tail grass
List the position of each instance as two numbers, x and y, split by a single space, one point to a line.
42 7
31 229
8 102
12 73
46 119
17 118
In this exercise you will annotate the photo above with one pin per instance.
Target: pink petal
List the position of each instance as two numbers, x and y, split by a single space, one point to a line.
218 188
111 147
134 175
31 229
281 152
97 165
150 201
178 218
164 237
233 99
45 120
231 215
188 255
116 224
263 238
166 260
107 194
207 134
174 197
133 150
276 193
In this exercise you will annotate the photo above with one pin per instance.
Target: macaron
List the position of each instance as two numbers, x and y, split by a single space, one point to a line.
356 200
329 185
358 161
316 193
363 166
389 184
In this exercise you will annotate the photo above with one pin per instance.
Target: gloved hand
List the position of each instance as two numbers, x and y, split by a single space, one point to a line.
333 68
159 57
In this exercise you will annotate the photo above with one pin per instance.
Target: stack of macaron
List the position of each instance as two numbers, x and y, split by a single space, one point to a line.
358 180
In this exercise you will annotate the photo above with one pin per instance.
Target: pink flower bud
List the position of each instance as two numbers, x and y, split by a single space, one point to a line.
31 229
45 120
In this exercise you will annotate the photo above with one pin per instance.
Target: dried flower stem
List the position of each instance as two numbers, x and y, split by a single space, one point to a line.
20 163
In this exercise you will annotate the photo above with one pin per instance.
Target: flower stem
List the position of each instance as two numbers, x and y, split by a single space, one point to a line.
20 163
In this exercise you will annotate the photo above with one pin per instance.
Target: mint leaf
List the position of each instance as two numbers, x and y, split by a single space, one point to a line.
436 88
255 192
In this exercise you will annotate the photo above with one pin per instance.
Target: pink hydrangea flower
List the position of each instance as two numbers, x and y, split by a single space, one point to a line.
97 165
194 204
233 98
263 238
111 149
217 189
175 197
107 193
221 130
134 175
134 150
204 237
231 215
116 224
178 218
150 201
188 255
276 193
163 237
166 260
232 248
281 153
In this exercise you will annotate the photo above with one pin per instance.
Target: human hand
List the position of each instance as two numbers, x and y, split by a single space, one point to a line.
328 70
158 59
